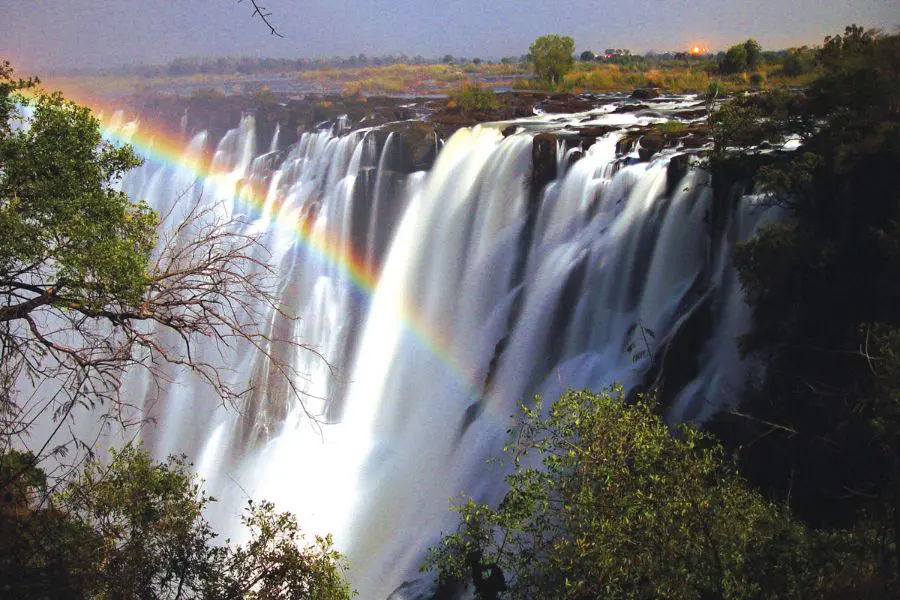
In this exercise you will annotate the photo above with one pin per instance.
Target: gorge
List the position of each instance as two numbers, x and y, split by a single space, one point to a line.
442 282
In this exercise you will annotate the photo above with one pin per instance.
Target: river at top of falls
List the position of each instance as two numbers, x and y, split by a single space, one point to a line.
487 293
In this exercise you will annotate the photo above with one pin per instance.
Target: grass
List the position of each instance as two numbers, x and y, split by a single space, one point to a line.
401 79
671 127
674 77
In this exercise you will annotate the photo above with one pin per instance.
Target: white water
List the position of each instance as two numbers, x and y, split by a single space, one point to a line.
468 318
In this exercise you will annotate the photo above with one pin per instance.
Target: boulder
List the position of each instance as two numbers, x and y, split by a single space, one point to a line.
645 93
695 141
650 145
574 157
627 108
417 145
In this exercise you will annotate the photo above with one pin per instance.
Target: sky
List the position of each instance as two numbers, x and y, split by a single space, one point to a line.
54 34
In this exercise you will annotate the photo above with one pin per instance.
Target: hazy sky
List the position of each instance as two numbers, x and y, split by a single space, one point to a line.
44 34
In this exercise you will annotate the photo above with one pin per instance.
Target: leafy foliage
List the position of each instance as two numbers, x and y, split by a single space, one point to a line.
277 562
551 57
61 220
742 57
474 97
605 502
90 287
134 528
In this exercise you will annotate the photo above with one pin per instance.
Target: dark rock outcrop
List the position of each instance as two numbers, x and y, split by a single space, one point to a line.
646 93
543 160
650 145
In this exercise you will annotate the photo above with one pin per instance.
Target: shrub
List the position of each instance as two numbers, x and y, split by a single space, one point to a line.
605 501
474 97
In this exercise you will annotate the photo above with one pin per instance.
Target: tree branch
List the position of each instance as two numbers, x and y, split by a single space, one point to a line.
263 14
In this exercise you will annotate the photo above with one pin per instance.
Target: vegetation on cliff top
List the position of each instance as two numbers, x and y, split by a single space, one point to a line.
605 501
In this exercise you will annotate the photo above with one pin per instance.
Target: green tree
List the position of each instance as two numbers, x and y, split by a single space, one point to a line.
551 57
735 60
587 56
605 502
89 286
754 54
134 528
746 56
798 61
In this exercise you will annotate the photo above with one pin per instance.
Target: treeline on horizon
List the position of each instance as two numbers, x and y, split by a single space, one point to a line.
245 65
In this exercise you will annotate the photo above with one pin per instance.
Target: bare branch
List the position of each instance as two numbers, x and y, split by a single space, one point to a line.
264 14
210 291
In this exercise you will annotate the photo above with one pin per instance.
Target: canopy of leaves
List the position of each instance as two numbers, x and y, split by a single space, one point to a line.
134 528
742 57
66 233
551 57
605 502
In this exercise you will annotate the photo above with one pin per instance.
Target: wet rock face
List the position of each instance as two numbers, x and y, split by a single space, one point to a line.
567 104
543 160
217 113
417 144
511 105
421 122
651 144
675 171
627 108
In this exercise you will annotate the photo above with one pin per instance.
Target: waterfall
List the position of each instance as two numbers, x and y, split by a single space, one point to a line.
484 292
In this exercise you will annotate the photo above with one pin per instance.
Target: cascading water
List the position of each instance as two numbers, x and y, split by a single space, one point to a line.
488 291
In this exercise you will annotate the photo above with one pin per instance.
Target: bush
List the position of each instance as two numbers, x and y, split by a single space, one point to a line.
474 97
617 506
134 528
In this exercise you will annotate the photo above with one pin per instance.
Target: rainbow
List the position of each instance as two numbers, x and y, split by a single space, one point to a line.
158 145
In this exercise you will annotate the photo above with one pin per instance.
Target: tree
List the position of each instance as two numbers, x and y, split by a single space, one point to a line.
735 60
820 430
587 56
551 57
798 61
753 51
741 57
90 287
605 501
134 528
